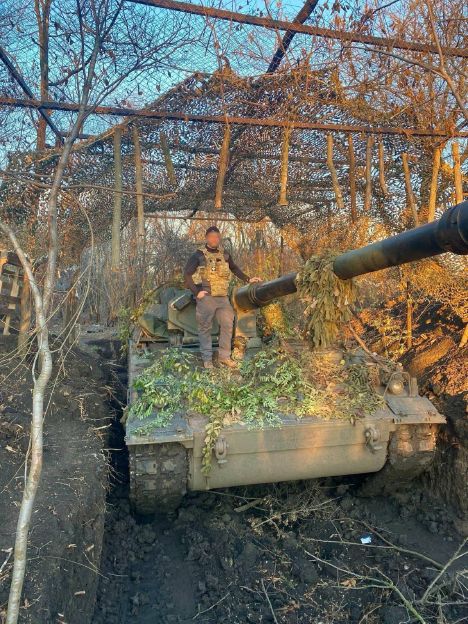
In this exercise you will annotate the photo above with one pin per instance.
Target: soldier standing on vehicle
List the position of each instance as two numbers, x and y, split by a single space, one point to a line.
207 274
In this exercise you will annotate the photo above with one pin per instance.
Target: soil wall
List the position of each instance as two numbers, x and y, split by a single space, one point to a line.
68 522
442 368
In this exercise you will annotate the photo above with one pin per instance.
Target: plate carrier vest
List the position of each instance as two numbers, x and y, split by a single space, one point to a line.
214 275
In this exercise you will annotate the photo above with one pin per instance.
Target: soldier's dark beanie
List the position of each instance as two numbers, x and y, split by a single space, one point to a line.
212 228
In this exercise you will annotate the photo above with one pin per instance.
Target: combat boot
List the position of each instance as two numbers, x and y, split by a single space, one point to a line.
229 363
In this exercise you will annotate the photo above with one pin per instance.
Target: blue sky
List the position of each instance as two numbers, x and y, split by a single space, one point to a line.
19 38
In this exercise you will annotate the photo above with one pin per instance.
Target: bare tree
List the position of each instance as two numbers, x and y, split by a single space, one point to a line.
102 61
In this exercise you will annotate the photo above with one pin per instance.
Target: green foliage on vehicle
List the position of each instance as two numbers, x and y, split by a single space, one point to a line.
327 298
271 383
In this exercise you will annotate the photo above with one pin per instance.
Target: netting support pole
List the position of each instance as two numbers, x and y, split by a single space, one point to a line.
433 189
281 254
283 198
222 168
334 176
368 190
139 194
352 179
409 316
116 217
409 190
457 173
167 159
382 182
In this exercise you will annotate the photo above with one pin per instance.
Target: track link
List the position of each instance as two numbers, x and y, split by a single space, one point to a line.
410 452
158 477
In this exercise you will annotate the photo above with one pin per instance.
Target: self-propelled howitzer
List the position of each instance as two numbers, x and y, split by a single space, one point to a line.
394 444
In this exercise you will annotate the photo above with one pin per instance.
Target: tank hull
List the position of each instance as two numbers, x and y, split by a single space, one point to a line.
167 462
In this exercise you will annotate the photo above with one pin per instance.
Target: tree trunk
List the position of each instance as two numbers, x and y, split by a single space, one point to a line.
368 192
167 159
409 316
139 191
464 338
42 10
36 439
42 304
25 313
409 190
383 183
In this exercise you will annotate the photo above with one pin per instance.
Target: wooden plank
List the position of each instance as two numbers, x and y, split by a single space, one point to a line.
296 27
7 299
25 312
13 293
285 42
7 311
186 117
9 271
9 257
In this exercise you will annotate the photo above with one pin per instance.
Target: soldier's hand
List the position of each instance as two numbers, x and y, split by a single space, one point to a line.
201 294
254 280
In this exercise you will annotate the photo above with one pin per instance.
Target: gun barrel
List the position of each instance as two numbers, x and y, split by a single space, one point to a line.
261 294
449 233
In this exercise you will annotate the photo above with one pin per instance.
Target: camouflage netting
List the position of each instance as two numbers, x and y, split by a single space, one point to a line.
252 182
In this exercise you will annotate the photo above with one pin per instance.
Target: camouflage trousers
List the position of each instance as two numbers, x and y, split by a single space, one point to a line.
208 309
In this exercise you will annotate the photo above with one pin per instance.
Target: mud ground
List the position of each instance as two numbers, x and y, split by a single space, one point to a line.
289 553
68 521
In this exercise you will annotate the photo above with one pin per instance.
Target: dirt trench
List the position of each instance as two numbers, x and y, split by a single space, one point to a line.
285 553
65 541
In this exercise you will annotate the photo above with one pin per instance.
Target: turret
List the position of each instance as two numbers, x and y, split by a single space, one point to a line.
447 234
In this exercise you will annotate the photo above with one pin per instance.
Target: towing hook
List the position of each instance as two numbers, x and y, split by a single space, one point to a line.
372 436
220 449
